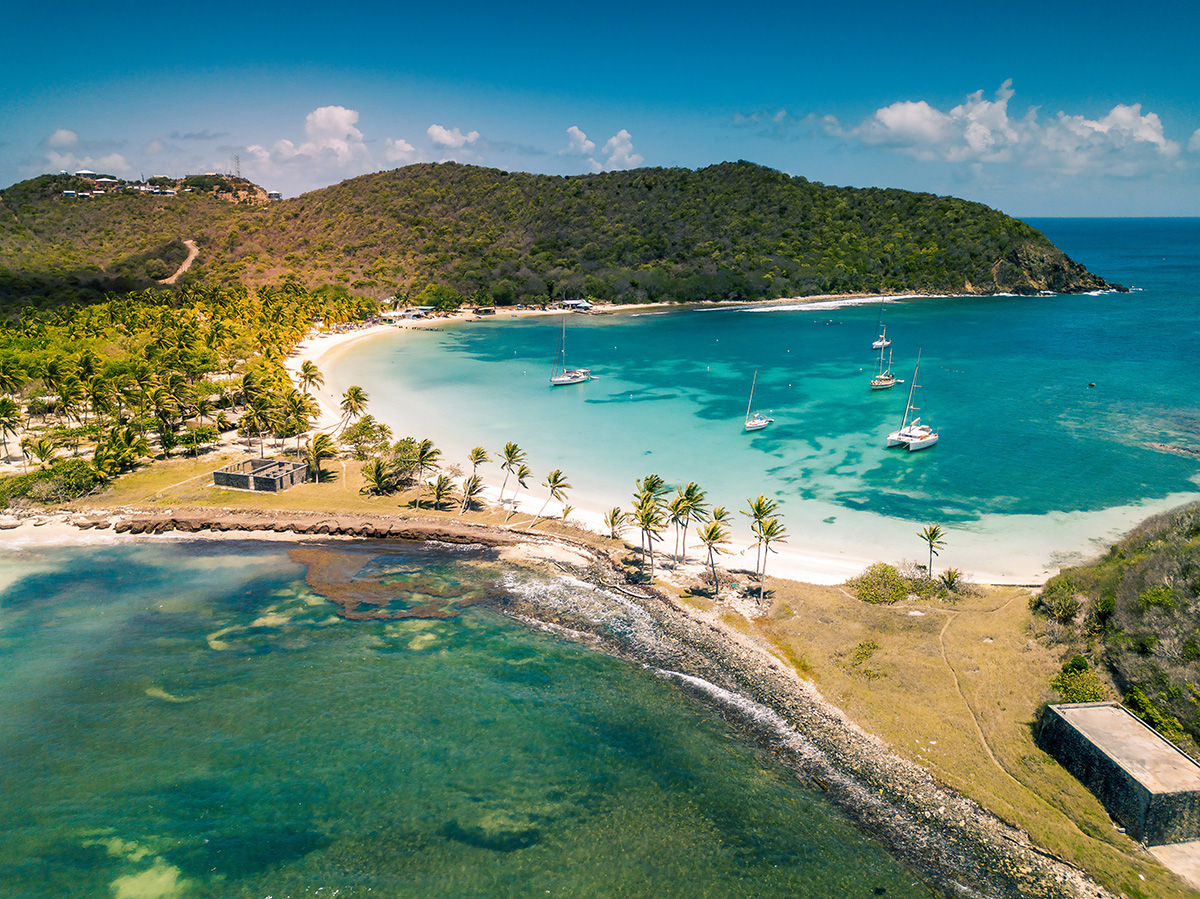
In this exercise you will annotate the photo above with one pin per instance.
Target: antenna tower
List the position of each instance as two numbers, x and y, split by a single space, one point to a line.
237 164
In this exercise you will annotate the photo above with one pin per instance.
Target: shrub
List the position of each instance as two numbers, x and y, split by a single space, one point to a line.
61 482
1075 685
1142 706
880 583
1058 600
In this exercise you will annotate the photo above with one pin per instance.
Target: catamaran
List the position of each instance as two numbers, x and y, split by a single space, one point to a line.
755 421
560 375
913 434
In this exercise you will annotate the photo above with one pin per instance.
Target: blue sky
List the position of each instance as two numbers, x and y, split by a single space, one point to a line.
1039 109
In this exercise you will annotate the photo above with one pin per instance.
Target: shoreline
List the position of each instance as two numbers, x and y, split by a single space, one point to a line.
958 846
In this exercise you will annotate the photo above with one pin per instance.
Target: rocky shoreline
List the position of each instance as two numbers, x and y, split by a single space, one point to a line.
957 847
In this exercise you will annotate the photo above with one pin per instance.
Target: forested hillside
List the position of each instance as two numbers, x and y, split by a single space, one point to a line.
729 231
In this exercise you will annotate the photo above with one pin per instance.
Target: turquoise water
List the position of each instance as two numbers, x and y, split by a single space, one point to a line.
192 719
1032 459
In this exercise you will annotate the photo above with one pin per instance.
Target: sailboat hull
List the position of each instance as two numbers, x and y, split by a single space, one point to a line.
575 376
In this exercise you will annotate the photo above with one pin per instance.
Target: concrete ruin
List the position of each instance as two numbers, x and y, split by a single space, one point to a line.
261 474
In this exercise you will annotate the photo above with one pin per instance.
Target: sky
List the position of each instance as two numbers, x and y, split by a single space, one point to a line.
1047 108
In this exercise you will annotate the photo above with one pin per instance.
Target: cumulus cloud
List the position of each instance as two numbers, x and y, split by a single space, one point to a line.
1194 143
401 151
981 131
617 151
333 148
579 144
153 148
62 137
452 138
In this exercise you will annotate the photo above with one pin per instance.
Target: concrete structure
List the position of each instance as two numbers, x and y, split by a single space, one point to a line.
261 474
1149 786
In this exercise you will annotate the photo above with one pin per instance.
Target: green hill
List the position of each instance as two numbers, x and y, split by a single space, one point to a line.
1136 615
729 231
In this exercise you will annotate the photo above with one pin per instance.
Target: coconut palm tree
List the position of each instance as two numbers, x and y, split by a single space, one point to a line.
12 375
354 404
316 451
557 482
760 510
615 520
513 456
677 514
932 534
523 473
770 531
472 490
443 489
377 478
477 457
648 516
310 376
298 412
425 455
696 510
43 450
714 536
10 421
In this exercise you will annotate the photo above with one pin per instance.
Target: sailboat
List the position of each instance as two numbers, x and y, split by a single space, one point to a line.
881 341
884 379
560 375
755 421
912 433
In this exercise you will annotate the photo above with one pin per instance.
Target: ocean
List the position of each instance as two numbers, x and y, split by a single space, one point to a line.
1057 414
189 718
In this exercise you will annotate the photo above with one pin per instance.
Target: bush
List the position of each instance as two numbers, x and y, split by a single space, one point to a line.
1075 685
1058 600
60 483
880 583
1142 706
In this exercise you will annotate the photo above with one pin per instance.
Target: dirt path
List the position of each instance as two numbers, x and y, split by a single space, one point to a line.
193 252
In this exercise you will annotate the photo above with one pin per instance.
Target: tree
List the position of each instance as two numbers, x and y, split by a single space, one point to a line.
425 455
353 405
513 456
10 421
43 450
932 534
443 489
760 510
377 478
316 451
310 375
472 490
615 520
696 509
477 457
557 482
770 531
523 473
714 536
298 412
648 516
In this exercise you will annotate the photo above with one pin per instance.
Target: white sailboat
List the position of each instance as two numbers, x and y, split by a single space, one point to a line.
881 341
560 375
913 434
755 421
884 379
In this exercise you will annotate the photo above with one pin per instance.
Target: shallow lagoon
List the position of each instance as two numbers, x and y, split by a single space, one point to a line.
191 719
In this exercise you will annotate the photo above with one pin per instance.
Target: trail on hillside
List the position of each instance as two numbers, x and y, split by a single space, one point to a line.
193 252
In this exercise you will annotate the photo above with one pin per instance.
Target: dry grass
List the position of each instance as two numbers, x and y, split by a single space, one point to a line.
955 687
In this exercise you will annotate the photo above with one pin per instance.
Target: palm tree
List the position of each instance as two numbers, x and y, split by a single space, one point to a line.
443 489
513 456
677 514
557 482
43 450
472 489
648 516
316 451
615 520
425 455
310 376
12 375
10 421
770 531
354 404
298 412
696 509
932 534
523 474
714 536
377 478
760 510
477 457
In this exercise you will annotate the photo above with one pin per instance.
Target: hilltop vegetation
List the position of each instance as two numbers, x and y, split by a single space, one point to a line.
1135 614
729 231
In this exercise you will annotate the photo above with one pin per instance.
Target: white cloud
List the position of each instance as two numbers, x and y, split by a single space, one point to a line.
452 138
110 164
579 145
63 137
979 131
153 148
619 150
401 151
333 149
1194 143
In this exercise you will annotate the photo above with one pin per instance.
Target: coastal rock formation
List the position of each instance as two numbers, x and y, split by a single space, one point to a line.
1033 269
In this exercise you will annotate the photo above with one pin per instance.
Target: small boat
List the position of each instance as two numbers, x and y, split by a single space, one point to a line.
560 375
884 379
755 421
913 434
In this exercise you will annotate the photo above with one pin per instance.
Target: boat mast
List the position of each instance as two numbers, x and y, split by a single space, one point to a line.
911 388
751 403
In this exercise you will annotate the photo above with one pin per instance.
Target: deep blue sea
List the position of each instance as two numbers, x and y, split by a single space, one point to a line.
1047 407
